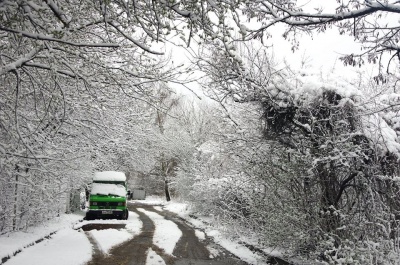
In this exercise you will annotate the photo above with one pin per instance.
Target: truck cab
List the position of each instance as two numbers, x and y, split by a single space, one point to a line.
107 199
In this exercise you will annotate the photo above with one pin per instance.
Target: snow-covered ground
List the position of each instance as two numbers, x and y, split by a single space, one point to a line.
66 247
69 245
153 258
63 242
108 238
234 247
21 241
166 233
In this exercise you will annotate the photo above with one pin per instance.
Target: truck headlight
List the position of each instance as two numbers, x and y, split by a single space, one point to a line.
94 203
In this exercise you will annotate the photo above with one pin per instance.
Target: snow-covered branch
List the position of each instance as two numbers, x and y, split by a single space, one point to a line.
60 15
137 43
17 64
38 36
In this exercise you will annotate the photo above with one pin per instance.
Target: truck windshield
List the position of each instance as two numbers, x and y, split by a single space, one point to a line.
108 189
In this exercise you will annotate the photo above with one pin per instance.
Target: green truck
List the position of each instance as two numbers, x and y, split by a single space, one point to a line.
108 196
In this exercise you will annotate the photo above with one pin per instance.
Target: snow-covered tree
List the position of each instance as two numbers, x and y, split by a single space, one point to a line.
73 76
374 24
330 153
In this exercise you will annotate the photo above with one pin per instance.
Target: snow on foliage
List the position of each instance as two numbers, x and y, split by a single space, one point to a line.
307 87
381 134
320 162
209 147
311 84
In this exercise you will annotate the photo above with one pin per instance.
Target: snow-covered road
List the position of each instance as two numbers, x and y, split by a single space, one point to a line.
152 235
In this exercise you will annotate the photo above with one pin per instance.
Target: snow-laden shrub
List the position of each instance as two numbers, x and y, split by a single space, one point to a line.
31 195
348 146
322 183
365 242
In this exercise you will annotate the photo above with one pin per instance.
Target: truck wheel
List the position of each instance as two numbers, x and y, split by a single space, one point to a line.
125 215
88 217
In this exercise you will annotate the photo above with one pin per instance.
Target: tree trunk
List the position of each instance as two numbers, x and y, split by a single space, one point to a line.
167 195
164 170
14 223
328 180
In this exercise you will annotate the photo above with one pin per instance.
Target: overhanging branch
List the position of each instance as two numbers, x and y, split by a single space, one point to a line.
42 37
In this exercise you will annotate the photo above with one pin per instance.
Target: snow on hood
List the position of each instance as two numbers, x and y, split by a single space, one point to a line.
109 176
108 189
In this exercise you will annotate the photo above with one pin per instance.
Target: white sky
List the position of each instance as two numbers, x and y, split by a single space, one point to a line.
324 49
321 51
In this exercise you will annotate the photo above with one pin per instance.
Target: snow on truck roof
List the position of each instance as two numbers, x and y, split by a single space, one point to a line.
109 176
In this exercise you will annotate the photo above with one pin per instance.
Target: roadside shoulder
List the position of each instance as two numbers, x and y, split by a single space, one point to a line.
14 243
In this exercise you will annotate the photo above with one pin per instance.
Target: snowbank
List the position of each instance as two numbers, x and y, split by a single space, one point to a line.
17 241
66 247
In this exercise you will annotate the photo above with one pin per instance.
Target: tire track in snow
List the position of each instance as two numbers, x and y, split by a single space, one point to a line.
166 233
133 251
97 253
144 249
189 245
195 249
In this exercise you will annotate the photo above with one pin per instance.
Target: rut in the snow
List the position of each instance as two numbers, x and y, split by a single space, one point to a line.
133 252
188 245
191 251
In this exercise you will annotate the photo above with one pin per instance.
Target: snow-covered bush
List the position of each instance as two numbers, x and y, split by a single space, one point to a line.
328 162
325 121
